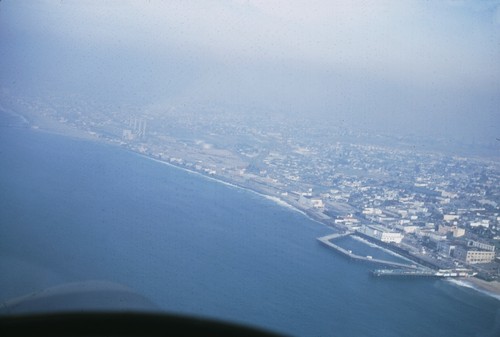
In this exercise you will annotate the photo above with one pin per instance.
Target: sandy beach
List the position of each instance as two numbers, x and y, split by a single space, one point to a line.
492 288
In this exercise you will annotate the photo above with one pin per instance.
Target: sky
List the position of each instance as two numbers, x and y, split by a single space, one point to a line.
423 67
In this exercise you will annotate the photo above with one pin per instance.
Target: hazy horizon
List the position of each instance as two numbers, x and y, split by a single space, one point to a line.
427 68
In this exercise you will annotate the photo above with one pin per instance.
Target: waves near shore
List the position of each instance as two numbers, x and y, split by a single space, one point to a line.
491 289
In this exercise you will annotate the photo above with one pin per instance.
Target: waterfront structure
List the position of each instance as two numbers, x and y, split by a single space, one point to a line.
460 272
473 255
381 233
327 240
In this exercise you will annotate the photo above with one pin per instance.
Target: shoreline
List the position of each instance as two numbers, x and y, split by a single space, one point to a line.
57 128
491 289
49 126
25 121
276 200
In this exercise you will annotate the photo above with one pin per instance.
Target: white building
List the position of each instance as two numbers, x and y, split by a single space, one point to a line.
317 203
451 217
482 223
407 229
372 211
381 233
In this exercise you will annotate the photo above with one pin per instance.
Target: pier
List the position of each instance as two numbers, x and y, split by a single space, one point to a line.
424 272
327 240
403 272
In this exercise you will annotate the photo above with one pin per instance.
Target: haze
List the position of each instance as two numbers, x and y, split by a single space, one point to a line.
429 68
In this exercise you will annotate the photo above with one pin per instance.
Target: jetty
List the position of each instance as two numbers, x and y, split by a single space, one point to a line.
327 240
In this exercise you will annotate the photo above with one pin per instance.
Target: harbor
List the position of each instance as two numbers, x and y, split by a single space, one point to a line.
400 269
327 240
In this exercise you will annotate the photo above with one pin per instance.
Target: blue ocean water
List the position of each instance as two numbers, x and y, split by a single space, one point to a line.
75 210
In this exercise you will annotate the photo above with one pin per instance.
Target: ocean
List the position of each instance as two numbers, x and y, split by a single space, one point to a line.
75 210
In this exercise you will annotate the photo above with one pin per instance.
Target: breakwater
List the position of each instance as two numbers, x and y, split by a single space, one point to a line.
327 240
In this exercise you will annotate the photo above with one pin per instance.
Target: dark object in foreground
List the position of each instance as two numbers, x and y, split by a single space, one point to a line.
120 324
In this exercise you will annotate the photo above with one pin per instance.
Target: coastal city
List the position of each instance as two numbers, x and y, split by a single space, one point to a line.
437 209
281 168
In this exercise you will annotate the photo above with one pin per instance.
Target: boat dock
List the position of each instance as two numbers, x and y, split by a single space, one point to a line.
327 240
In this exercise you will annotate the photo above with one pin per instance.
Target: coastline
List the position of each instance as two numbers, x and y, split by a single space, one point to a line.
491 289
15 114
274 199
46 125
